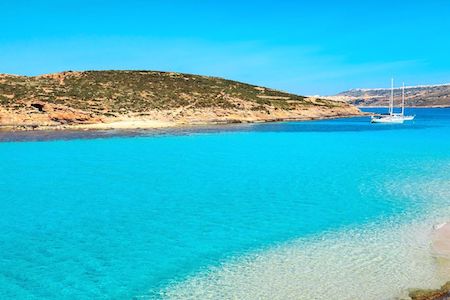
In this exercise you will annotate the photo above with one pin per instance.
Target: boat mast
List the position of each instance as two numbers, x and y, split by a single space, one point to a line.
391 102
403 99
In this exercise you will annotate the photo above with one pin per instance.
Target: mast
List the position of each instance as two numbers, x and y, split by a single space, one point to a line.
391 102
403 99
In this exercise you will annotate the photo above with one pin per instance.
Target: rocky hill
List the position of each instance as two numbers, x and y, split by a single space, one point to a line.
420 96
111 99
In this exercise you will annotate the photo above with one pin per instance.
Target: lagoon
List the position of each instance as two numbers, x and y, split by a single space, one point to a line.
184 214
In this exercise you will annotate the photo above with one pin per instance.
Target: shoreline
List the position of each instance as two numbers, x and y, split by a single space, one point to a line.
148 124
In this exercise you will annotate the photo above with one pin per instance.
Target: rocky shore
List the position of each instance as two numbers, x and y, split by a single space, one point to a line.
158 119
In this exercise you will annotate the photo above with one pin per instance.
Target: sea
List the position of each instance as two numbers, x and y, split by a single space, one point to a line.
331 209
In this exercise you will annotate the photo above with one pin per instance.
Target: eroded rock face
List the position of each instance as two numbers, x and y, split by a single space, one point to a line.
37 114
38 106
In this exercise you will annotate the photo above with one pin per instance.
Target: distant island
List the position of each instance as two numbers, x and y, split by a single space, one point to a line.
416 96
148 99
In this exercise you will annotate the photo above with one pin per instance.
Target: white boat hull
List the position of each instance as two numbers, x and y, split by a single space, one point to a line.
387 119
394 118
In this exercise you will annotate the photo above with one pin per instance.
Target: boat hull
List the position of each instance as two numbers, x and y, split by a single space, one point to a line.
394 119
387 120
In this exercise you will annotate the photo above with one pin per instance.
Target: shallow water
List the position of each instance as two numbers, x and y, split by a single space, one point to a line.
183 213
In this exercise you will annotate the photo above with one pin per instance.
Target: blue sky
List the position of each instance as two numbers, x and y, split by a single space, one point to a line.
306 47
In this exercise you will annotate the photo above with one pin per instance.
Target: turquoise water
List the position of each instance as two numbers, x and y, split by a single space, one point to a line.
126 216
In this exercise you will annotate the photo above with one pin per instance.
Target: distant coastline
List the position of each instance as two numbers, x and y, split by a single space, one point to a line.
415 96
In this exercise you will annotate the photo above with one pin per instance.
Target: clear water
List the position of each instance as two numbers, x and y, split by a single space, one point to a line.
148 215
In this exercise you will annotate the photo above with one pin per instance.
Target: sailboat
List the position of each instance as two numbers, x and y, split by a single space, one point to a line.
392 117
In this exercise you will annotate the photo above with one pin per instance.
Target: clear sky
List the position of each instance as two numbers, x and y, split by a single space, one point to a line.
307 47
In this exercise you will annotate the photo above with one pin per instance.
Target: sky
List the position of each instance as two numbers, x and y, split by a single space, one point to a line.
305 47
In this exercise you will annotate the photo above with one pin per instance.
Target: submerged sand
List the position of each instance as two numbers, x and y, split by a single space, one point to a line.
370 262
441 240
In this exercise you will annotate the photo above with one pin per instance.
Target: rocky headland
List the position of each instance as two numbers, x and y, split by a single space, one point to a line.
148 99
